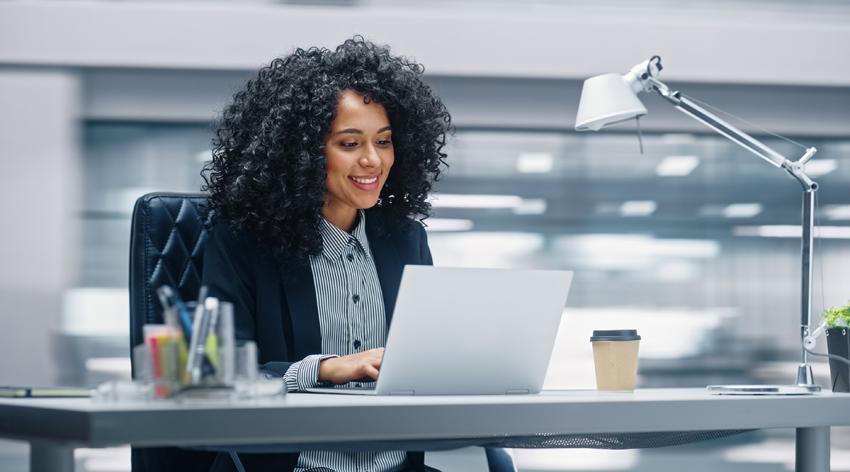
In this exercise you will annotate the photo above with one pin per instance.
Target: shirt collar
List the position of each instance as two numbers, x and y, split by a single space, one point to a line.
335 241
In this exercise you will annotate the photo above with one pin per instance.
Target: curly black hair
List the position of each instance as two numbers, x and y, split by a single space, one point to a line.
267 172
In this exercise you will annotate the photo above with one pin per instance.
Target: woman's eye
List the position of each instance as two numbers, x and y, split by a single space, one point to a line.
349 145
385 142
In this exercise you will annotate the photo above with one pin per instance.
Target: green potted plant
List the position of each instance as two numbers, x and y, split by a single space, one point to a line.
837 321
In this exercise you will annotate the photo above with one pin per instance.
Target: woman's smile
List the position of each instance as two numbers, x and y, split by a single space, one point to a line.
365 183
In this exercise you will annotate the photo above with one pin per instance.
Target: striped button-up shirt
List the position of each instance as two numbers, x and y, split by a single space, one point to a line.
351 319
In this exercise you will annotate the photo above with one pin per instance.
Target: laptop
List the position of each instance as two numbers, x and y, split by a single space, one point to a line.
465 331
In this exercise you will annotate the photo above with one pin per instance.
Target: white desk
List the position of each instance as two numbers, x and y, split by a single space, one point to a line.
55 426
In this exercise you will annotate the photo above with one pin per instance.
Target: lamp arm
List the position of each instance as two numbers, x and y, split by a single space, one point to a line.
795 169
687 106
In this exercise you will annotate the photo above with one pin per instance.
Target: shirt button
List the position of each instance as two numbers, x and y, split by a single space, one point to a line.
350 257
358 385
356 298
356 344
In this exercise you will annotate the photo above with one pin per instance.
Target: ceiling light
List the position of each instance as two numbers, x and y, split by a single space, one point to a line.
535 162
447 200
638 208
837 212
643 245
487 249
531 206
520 206
675 166
448 224
742 210
792 231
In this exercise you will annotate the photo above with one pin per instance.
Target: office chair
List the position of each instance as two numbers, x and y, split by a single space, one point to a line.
167 241
166 248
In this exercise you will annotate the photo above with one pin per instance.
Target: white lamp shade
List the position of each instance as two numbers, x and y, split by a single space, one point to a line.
606 99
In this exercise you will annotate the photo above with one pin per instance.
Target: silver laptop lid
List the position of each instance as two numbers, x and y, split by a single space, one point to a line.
472 331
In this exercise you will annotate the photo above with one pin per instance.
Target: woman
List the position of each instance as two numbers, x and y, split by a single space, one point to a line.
321 168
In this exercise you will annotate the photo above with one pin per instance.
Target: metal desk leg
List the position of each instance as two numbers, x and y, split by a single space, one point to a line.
813 449
47 456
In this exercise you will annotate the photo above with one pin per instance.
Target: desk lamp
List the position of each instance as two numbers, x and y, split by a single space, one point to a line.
612 98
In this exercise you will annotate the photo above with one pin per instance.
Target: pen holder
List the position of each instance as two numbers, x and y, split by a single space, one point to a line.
194 348
158 372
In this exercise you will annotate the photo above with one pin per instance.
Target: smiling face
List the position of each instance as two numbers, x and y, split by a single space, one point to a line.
359 155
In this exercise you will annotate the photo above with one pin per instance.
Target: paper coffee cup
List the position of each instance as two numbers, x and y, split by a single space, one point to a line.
615 357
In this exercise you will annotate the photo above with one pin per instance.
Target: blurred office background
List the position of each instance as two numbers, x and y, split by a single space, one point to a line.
694 242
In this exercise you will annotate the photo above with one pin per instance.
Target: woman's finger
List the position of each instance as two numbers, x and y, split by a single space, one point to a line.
370 372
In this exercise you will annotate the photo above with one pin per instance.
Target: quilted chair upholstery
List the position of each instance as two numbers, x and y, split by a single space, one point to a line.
166 247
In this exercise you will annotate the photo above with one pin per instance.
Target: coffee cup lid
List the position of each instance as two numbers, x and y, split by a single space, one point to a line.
615 335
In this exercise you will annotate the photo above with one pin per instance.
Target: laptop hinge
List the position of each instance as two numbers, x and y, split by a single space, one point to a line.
517 391
403 392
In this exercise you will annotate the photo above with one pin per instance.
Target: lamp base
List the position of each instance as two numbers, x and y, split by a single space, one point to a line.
763 389
805 375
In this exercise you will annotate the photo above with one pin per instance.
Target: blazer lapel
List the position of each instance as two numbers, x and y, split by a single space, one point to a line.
303 311
387 262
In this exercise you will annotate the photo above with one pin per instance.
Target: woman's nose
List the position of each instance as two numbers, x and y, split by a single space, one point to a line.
370 158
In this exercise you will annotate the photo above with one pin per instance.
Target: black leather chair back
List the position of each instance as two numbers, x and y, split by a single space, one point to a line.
166 248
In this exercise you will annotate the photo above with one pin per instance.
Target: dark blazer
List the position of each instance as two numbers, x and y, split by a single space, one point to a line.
274 301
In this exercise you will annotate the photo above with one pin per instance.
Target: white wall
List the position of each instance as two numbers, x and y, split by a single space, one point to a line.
38 200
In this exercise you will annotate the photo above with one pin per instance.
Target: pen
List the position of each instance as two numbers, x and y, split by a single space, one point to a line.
169 299
196 365
211 345
166 296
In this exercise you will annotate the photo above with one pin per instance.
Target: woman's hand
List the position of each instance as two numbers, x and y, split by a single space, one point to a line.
344 369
